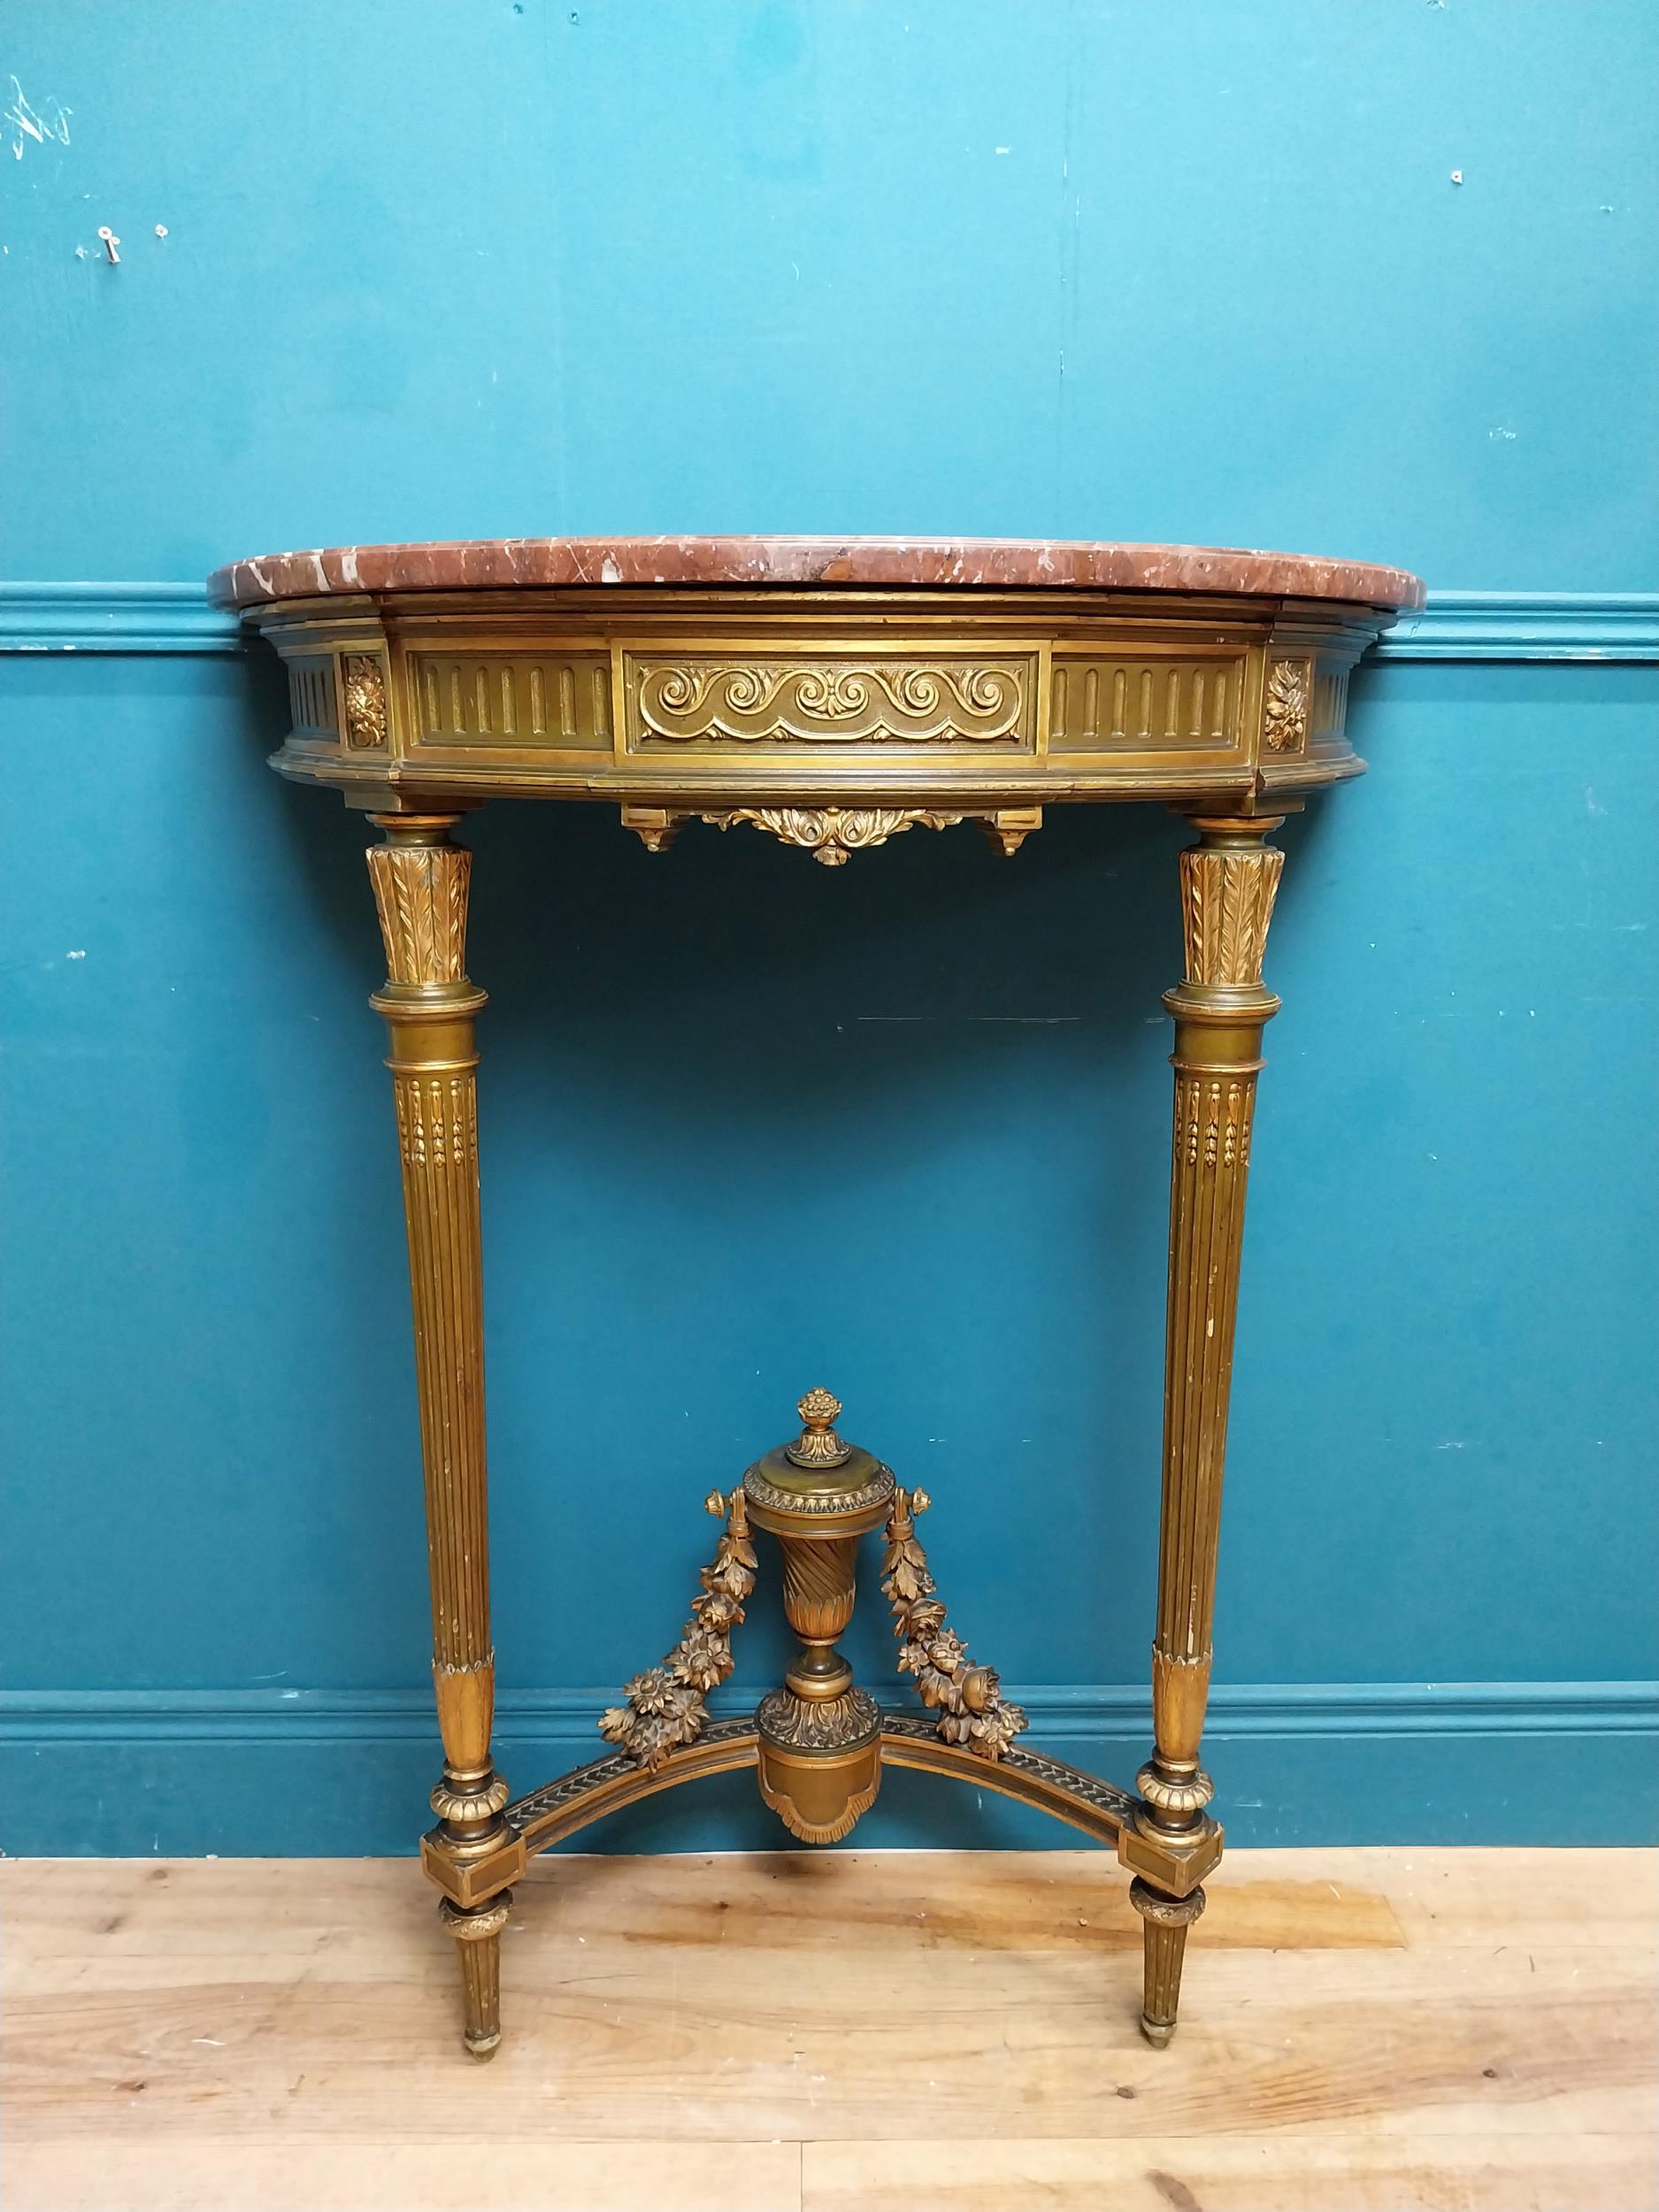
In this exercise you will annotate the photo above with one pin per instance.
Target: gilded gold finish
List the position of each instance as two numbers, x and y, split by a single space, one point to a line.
1221 1006
830 834
677 697
667 1705
364 689
968 1699
656 827
833 716
820 1795
564 1807
1007 829
419 880
866 1491
819 1742
820 1748
776 703
1165 1923
477 1933
1285 722
818 1444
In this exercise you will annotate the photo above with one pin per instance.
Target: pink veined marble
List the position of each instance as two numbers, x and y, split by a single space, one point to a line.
1037 564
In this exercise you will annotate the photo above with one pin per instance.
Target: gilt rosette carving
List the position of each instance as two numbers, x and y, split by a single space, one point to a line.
364 692
968 1698
1284 708
667 1705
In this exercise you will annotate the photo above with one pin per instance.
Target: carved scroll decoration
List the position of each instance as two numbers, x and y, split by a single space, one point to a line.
837 702
667 1705
1285 715
831 833
968 1698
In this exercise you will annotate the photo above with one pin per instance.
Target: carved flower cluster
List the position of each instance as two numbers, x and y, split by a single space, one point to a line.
968 1699
667 1705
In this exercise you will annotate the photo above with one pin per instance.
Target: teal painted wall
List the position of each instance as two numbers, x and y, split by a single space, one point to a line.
1115 271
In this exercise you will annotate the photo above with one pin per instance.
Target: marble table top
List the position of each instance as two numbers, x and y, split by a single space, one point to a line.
1003 564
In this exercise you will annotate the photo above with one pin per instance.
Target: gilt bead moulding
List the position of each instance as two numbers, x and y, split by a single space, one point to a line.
831 692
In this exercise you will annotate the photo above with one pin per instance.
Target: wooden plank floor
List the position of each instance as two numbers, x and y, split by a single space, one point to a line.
1363 2031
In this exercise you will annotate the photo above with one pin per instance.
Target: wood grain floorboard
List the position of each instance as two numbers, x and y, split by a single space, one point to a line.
1380 2030
1232 2173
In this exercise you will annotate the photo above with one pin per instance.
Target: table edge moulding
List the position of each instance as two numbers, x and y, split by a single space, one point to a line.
832 692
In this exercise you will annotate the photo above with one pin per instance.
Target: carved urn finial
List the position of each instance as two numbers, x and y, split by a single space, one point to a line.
818 1444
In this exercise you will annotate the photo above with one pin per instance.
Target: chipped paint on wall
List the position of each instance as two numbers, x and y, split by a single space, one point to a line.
29 125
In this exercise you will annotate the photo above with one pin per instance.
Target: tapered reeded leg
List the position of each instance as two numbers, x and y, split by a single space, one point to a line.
1228 880
477 1935
421 889
1165 1923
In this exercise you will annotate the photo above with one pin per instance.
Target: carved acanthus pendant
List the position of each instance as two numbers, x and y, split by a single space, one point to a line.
667 1705
968 1699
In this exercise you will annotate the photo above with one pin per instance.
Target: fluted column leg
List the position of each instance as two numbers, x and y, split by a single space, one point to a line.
420 888
1228 881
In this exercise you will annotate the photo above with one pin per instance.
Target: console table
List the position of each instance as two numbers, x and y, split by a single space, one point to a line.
832 693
